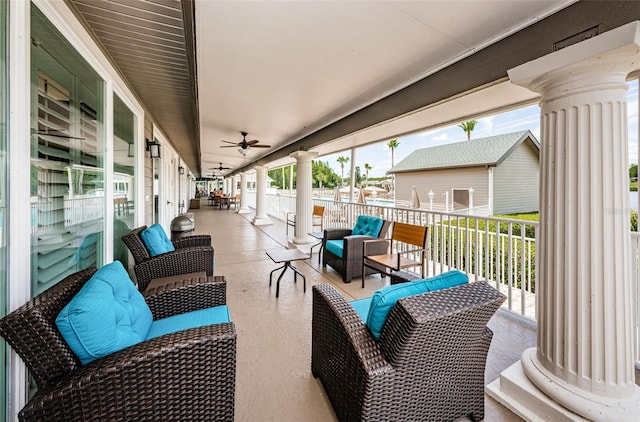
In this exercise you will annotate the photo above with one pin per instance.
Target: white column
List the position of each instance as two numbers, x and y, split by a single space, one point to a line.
244 208
352 179
583 365
234 185
261 218
304 199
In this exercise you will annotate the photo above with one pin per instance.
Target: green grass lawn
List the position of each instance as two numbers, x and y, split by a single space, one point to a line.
633 186
529 216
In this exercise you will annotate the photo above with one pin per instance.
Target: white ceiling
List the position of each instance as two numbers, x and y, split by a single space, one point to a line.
281 70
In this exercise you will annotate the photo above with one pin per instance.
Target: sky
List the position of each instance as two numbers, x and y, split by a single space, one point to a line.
528 118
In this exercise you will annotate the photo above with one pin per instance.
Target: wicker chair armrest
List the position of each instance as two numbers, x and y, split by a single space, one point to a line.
180 261
336 234
375 246
186 295
191 241
345 326
354 245
172 377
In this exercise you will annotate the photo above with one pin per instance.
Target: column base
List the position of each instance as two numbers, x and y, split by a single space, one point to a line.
303 243
261 221
244 210
514 390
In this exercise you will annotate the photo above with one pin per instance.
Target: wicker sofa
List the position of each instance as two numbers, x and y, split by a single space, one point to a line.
349 265
184 375
428 364
193 254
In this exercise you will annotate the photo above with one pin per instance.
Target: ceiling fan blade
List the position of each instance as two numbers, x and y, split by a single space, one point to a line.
229 146
229 142
260 146
252 142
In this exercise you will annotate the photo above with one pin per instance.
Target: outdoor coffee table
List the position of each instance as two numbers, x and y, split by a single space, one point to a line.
286 256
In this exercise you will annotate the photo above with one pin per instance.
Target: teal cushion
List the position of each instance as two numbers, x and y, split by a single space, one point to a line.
106 315
385 299
335 247
199 318
362 307
156 240
367 226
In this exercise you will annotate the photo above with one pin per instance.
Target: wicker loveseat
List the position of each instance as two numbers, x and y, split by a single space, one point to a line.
347 259
193 254
183 375
427 365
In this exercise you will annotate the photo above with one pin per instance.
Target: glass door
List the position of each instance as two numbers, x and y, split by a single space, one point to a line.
4 217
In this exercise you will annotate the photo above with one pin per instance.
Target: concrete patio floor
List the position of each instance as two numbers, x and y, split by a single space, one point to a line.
274 380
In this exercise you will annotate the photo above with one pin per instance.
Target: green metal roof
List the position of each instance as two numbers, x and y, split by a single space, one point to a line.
474 153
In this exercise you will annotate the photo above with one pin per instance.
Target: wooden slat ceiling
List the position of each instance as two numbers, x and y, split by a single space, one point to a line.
150 42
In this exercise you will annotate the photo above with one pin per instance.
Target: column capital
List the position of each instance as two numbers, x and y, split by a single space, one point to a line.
303 155
615 51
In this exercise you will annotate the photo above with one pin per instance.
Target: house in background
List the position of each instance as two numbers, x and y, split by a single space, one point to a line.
493 175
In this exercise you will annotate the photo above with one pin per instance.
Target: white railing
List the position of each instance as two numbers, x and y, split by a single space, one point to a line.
500 250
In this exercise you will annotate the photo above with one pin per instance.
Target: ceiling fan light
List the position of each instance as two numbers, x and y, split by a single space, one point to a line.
242 151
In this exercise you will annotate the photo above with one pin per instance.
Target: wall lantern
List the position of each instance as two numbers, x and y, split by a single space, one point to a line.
180 170
153 148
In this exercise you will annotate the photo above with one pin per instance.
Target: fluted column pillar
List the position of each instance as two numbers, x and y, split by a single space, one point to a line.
261 218
304 199
244 208
234 185
583 364
227 185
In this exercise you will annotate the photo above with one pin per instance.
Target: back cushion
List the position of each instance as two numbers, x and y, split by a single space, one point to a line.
367 226
156 240
106 315
386 298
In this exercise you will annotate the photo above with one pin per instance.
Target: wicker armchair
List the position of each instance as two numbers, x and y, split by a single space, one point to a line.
350 264
193 254
428 364
185 375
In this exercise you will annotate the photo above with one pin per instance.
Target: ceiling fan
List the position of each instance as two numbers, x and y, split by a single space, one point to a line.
244 144
220 168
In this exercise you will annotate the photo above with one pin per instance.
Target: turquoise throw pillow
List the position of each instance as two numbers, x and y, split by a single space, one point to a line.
156 240
367 226
361 307
106 315
386 298
199 318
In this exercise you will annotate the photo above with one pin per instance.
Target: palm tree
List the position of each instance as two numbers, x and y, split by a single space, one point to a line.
342 160
367 167
468 127
393 144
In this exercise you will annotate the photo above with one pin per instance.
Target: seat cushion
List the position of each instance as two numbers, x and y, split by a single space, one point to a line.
199 318
386 298
335 247
367 226
106 315
156 241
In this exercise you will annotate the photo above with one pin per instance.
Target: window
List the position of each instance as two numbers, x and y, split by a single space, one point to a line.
67 153
123 177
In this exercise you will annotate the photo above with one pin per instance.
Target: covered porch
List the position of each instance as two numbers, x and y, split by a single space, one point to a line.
274 380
